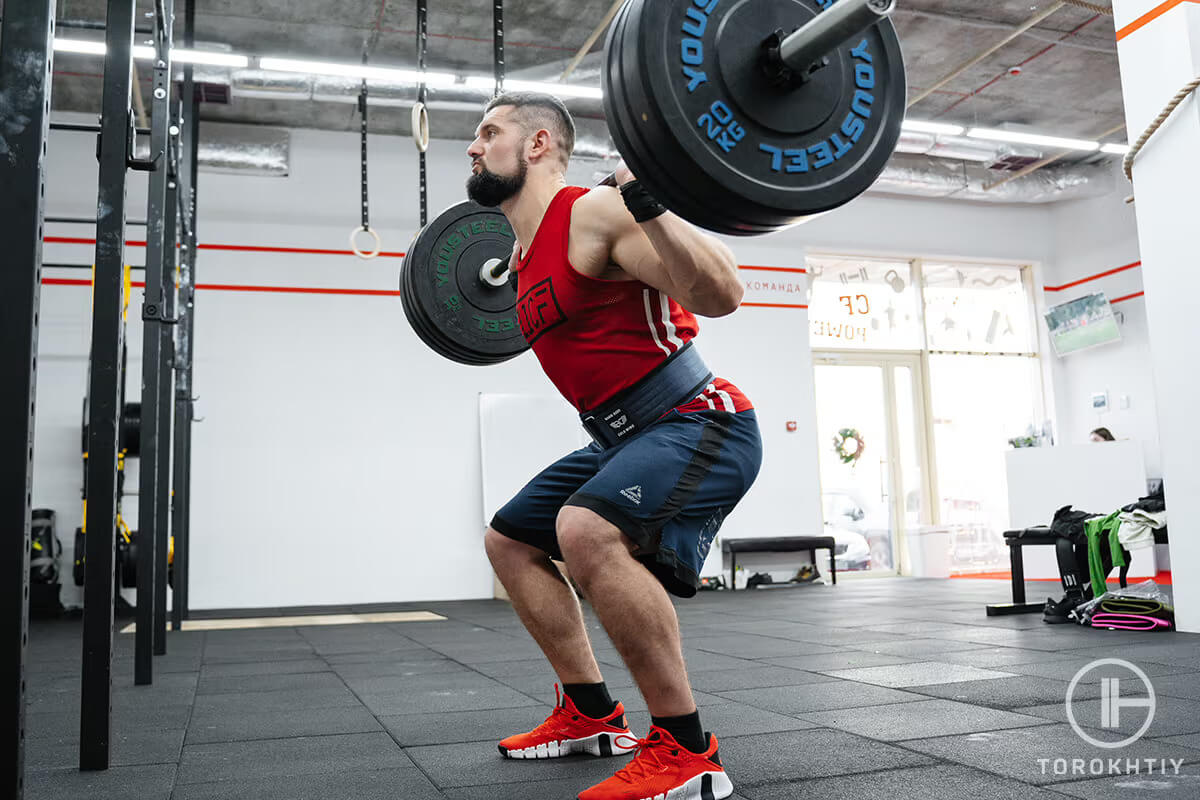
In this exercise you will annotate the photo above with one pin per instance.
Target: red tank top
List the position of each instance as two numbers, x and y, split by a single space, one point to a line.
595 338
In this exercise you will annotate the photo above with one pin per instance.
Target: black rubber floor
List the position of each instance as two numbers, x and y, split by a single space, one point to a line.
893 688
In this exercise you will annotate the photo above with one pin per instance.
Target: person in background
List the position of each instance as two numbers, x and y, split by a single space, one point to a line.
1102 435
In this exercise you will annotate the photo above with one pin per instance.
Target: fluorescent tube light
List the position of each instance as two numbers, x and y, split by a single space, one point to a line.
922 126
214 58
140 51
1016 137
78 46
1115 149
357 71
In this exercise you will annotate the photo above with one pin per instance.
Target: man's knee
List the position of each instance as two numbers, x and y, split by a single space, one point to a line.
502 550
587 540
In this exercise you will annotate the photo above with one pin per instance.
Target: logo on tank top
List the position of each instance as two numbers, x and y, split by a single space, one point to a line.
538 311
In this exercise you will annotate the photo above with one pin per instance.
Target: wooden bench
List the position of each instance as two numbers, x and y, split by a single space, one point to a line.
779 544
1036 536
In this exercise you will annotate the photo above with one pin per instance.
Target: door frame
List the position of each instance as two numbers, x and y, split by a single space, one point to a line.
917 363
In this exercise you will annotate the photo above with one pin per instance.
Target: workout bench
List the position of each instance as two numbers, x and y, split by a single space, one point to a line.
779 544
1035 536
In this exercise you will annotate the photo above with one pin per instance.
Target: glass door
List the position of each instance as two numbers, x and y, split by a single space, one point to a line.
873 455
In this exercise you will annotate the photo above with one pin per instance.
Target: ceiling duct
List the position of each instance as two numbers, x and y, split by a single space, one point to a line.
210 84
926 165
238 149
993 155
269 85
923 176
958 177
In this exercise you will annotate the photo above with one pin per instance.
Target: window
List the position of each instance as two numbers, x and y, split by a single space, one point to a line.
863 304
971 331
977 308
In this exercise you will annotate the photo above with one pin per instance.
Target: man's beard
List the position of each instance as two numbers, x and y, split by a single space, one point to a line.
489 189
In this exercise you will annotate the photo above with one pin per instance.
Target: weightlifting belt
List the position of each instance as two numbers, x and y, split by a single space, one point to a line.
677 380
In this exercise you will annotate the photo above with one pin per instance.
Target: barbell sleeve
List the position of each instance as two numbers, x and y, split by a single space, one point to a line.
831 29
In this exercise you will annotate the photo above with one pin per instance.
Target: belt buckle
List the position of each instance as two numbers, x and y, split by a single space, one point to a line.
611 429
618 424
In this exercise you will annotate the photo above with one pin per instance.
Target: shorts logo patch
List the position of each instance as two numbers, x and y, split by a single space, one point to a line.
708 533
633 493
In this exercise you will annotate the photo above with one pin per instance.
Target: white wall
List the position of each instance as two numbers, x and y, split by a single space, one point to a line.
1092 237
338 459
1156 58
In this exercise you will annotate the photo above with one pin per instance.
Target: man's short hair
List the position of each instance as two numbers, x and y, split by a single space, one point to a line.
536 110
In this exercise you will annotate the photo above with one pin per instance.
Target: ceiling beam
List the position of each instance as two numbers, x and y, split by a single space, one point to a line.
591 40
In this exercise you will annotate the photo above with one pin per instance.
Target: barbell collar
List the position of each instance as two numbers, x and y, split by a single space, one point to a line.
804 49
494 272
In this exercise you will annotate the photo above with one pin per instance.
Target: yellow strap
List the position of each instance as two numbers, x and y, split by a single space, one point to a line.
128 281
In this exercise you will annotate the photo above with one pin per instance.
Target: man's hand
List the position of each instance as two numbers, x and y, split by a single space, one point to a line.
623 175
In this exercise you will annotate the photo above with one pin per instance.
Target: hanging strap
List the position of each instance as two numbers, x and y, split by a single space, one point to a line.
362 109
498 44
366 225
422 93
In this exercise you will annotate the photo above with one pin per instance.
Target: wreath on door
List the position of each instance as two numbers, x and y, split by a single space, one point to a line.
849 445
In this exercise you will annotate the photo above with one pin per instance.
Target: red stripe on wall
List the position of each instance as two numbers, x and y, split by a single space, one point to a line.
1097 276
1150 16
796 270
1128 297
317 251
226 287
248 248
66 282
81 240
241 248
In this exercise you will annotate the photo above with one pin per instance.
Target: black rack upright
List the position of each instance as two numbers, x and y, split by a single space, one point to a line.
26 51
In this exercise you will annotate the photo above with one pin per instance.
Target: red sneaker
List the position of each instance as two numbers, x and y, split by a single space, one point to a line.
568 731
664 769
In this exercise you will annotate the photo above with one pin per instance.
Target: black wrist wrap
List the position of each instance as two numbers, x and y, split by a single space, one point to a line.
640 203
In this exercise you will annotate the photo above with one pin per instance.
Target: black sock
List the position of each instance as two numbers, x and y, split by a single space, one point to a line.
685 729
591 699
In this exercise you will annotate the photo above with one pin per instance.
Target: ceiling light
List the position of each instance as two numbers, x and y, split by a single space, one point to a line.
922 126
357 71
211 57
78 46
997 135
1114 148
556 89
144 52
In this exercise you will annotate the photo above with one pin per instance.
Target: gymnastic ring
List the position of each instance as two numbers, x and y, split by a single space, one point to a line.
365 254
420 127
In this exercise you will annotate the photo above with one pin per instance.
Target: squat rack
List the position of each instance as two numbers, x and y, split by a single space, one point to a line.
26 37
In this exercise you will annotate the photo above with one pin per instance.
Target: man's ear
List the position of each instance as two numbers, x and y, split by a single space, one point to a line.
540 144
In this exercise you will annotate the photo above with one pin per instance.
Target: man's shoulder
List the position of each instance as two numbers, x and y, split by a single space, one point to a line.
602 207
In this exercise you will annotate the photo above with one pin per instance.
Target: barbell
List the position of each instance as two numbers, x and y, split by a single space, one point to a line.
747 117
741 117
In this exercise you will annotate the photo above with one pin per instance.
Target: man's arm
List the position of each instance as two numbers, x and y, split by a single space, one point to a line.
673 256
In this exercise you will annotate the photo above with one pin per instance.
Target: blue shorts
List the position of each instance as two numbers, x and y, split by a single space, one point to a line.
668 490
